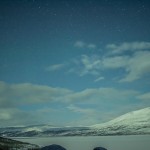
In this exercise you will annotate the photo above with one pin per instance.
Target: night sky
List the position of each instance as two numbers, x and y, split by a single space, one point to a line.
73 62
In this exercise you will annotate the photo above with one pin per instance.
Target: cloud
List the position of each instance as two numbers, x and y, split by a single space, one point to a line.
137 66
4 115
90 64
115 62
128 46
91 46
27 103
134 65
88 116
99 79
145 96
16 95
95 65
13 95
55 67
85 111
86 65
102 96
81 44
16 117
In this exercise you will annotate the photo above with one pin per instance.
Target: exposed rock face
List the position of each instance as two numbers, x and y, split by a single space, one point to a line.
53 147
99 148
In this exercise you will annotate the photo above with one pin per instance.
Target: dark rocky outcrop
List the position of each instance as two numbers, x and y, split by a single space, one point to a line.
53 147
99 148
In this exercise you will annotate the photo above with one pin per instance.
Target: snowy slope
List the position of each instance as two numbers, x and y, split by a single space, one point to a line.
41 130
136 122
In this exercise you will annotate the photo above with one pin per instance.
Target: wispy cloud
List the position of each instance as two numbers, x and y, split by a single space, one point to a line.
115 62
85 111
99 79
91 46
145 96
55 67
87 65
101 96
81 44
13 95
135 66
13 98
14 116
88 116
4 115
128 46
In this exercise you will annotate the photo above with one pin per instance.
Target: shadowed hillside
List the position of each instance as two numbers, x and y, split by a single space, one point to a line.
8 144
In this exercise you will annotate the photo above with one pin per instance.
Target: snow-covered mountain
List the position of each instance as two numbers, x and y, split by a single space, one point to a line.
136 122
41 130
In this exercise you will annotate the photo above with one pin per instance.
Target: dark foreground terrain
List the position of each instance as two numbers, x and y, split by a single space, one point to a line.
9 144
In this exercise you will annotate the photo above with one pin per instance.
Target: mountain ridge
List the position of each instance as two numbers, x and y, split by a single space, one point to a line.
135 122
144 117
132 123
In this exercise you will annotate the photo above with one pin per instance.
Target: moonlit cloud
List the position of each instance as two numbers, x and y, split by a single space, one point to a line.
88 116
86 65
91 46
18 117
90 64
86 111
115 62
27 94
101 96
145 96
132 46
4 115
99 79
135 66
30 95
79 44
13 95
55 67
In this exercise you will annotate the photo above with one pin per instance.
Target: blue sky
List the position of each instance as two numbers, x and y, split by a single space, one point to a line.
73 62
